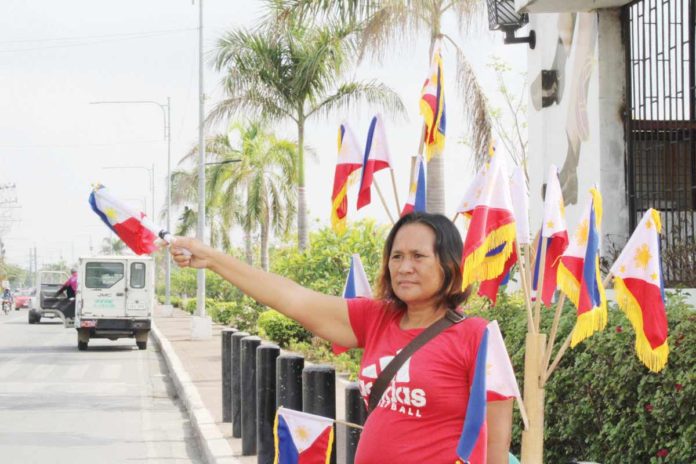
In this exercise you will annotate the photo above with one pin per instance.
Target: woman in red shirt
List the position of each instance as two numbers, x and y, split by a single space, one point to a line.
420 415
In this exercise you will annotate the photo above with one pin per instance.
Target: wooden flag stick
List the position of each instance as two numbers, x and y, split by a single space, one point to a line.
396 195
456 215
525 287
540 285
381 197
528 267
523 412
607 279
552 335
559 356
348 424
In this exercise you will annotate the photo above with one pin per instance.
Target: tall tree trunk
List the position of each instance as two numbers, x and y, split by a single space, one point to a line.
435 196
435 189
248 248
265 230
302 233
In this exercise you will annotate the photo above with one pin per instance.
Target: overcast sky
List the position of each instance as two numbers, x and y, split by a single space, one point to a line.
58 56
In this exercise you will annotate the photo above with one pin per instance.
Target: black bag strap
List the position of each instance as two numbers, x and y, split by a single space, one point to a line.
452 317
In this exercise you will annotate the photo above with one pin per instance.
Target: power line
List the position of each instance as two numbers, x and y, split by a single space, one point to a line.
90 40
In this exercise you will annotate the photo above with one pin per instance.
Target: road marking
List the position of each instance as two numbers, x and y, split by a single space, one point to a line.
42 371
76 372
111 372
9 368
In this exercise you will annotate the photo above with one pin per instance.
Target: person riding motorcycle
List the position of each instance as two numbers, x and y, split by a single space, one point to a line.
70 289
7 299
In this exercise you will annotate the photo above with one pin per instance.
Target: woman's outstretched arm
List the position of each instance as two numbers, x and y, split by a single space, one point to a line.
323 315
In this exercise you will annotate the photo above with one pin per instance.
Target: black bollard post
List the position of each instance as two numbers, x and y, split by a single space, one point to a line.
289 381
248 398
319 395
236 384
355 413
266 355
226 367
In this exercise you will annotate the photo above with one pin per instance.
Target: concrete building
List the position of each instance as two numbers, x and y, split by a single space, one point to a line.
613 103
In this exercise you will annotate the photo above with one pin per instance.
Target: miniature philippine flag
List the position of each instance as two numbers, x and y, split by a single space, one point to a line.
432 107
416 191
132 226
349 160
488 205
640 290
472 446
554 235
377 157
357 286
302 438
578 273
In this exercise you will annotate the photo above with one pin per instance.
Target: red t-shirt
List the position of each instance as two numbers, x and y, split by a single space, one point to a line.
421 414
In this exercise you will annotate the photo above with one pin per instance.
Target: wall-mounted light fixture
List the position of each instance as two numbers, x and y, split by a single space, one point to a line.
502 16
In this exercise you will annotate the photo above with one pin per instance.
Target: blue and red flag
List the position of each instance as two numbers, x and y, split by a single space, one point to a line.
640 290
133 227
578 273
416 192
492 224
472 447
377 157
555 234
302 438
432 107
349 160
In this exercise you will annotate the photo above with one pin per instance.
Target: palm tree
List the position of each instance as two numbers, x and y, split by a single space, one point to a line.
254 193
293 72
393 24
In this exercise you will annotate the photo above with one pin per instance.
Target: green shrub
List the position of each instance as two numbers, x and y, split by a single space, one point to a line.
281 329
602 403
176 301
241 314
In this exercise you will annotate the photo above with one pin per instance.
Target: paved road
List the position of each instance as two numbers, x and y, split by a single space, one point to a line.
110 404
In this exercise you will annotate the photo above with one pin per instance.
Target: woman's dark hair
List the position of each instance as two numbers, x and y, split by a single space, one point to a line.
448 248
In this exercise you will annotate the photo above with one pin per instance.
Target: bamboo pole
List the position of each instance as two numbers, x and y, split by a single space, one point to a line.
533 437
540 284
526 288
523 412
396 195
552 335
606 280
528 266
381 197
348 424
559 356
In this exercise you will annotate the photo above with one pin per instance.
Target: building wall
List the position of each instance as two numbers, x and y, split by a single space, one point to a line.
582 133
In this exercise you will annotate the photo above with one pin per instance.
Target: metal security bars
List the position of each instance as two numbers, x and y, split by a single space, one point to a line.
661 126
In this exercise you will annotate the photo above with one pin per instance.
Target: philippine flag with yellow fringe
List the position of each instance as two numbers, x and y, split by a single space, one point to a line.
432 107
302 438
492 224
578 273
640 290
349 160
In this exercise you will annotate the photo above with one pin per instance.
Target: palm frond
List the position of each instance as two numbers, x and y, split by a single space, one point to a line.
372 92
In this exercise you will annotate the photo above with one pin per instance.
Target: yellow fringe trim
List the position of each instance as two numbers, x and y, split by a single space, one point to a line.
275 438
594 320
568 284
328 450
654 359
436 148
338 224
597 205
477 267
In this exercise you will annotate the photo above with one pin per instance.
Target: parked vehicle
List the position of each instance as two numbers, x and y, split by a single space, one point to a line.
22 298
115 299
45 303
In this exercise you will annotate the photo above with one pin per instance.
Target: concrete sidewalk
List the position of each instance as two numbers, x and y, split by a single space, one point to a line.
195 368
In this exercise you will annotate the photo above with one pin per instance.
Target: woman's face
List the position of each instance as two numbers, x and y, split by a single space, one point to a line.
416 275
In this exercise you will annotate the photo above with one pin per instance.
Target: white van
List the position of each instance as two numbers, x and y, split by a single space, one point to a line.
115 298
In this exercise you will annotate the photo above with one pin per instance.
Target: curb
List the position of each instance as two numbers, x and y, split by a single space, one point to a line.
214 446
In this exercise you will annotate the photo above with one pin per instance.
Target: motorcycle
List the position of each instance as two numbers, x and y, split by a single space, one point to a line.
6 305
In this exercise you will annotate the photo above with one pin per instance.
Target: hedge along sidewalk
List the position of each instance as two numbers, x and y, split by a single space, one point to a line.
195 367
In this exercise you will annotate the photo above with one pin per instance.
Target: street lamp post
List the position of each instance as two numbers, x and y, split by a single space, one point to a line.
167 115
